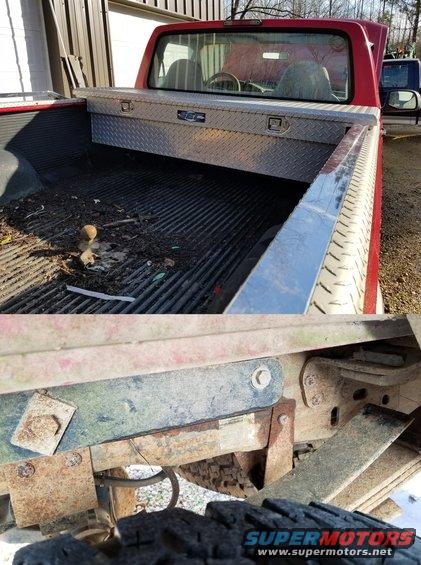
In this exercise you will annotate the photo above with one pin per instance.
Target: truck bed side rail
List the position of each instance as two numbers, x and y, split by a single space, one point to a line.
285 279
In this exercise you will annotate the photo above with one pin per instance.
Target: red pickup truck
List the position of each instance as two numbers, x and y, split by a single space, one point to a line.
242 174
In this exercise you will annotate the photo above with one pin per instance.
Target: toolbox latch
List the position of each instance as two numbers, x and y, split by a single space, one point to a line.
126 106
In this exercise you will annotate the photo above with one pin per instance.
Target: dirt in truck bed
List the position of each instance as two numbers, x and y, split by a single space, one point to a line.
126 237
169 234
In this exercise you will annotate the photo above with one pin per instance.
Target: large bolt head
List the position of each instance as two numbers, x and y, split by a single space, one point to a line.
45 426
260 378
317 399
73 459
25 470
310 380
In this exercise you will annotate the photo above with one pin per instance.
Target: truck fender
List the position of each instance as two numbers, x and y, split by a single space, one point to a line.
18 178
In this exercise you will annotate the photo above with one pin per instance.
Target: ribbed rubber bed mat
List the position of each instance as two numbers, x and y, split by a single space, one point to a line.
232 210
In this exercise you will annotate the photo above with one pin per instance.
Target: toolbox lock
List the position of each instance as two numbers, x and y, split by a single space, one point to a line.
126 106
277 124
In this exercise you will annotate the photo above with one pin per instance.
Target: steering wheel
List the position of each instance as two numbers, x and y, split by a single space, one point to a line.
222 76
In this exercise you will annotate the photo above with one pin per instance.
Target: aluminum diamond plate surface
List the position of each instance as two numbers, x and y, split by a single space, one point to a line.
284 279
164 123
256 122
341 283
285 158
366 115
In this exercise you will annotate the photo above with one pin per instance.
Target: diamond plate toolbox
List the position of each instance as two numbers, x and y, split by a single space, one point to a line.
284 139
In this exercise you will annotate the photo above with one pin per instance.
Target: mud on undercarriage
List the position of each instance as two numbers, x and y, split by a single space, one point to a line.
276 426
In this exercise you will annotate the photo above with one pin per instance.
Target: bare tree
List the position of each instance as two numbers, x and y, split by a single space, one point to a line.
264 8
401 16
416 8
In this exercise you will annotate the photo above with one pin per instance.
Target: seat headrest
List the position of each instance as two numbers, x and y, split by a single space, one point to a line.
305 80
184 75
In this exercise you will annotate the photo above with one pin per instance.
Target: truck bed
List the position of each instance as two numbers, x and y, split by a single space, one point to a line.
218 221
204 202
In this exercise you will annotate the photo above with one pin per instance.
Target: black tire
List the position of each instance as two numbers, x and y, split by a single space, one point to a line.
222 474
181 537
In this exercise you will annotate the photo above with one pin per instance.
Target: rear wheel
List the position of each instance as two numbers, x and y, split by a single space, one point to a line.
178 536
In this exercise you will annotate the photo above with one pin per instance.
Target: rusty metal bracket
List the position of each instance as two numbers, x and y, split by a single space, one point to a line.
335 381
370 367
43 424
341 459
245 432
47 488
280 451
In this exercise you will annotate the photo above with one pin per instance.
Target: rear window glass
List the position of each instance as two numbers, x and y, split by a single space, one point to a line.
284 65
395 75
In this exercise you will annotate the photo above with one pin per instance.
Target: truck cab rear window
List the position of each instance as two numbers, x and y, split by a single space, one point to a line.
278 64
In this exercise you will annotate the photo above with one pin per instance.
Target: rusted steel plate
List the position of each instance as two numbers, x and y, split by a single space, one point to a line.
146 403
340 460
81 350
281 441
77 521
247 432
43 424
47 488
186 445
366 372
124 500
323 384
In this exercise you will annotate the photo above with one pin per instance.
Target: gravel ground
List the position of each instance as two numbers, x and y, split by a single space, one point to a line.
400 273
196 498
155 497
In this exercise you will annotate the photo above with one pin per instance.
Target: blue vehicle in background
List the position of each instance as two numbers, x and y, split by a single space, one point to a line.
400 90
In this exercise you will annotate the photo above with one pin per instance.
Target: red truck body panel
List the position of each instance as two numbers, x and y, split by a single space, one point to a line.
377 36
373 264
12 108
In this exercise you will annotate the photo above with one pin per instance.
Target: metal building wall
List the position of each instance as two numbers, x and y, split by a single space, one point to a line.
198 9
85 29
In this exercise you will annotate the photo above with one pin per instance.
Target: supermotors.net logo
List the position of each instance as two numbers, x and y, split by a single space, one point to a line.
328 543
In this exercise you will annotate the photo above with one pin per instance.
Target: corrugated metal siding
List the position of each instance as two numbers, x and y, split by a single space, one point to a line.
24 58
85 30
199 9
